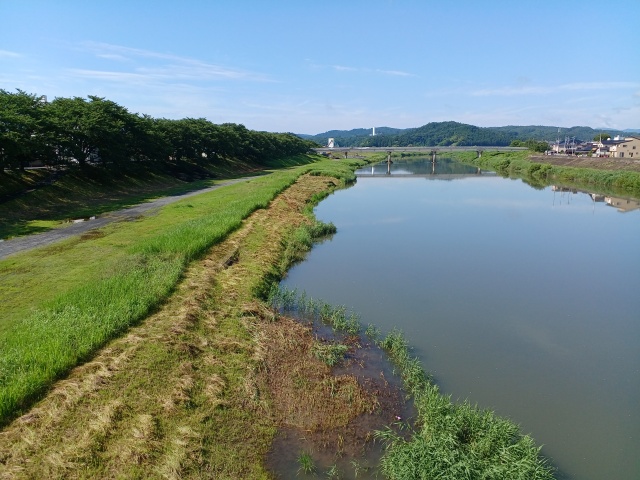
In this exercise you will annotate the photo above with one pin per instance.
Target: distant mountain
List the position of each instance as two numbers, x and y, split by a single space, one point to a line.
455 134
355 133
632 130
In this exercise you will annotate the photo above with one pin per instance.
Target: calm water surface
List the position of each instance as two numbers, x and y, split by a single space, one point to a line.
522 300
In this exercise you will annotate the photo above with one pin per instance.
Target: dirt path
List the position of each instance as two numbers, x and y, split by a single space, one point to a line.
21 244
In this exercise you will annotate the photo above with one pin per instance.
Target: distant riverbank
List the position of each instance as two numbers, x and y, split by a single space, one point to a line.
614 176
589 162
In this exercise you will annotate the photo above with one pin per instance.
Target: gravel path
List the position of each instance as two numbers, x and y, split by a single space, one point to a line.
20 244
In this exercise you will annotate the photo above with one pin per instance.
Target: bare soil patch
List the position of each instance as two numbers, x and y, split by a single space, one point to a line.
589 162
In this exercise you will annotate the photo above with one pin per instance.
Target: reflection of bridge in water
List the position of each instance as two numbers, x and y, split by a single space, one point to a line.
429 176
445 169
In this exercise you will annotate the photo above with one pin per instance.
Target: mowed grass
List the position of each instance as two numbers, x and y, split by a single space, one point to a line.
62 303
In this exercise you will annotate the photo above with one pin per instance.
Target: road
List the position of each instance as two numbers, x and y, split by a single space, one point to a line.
21 244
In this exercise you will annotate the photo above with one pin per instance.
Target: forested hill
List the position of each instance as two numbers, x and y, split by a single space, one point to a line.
454 134
356 132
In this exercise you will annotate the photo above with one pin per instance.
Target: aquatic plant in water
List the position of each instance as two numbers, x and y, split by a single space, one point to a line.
306 463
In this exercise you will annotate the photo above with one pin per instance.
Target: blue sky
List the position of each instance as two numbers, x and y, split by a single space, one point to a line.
308 67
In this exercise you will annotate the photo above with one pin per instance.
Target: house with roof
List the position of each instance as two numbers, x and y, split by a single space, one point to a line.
628 147
603 147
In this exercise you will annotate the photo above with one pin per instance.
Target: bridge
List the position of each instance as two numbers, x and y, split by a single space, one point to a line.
429 150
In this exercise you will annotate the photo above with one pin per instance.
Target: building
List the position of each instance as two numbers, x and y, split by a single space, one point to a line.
628 147
605 148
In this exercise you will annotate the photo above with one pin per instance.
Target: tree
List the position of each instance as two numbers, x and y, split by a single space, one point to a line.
601 136
21 129
531 144
69 131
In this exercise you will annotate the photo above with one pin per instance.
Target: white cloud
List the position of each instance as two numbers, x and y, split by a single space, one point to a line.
169 65
396 73
8 54
343 68
545 90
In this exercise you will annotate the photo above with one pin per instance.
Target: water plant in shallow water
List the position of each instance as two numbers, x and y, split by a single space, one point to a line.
289 300
329 353
306 463
333 472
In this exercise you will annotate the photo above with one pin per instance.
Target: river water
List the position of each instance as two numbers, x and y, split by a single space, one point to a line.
522 300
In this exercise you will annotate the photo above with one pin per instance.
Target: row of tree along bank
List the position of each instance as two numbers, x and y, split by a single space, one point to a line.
98 131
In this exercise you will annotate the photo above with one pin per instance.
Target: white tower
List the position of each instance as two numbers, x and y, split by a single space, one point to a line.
331 143
374 132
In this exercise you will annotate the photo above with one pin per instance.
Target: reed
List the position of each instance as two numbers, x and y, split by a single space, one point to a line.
307 308
305 461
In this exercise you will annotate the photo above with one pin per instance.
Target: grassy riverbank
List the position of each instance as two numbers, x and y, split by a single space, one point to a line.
37 200
61 303
539 173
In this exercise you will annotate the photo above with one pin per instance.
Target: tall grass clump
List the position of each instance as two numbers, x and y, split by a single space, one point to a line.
306 464
300 242
343 170
453 441
59 335
307 308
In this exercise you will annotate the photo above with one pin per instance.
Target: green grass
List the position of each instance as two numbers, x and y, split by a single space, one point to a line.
81 193
63 302
330 353
453 441
305 307
305 461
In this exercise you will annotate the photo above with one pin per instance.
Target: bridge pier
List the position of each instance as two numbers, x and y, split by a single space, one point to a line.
389 162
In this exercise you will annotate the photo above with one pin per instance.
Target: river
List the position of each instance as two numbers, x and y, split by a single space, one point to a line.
523 300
